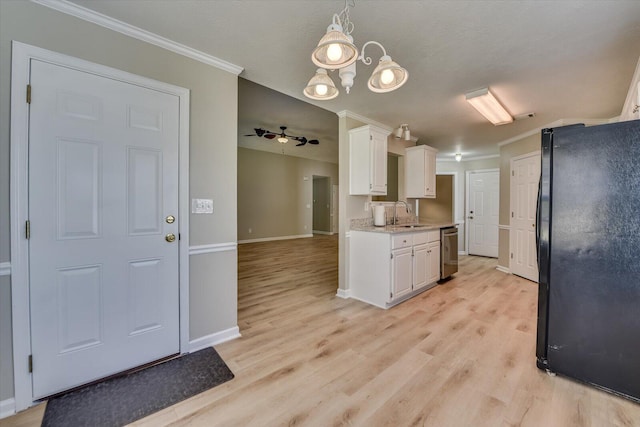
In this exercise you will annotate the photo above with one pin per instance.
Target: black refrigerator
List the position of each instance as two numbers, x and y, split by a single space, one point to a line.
588 230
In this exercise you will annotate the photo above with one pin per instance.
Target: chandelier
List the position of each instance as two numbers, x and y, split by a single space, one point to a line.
336 51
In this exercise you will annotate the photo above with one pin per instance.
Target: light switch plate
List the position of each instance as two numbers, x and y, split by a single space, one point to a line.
201 206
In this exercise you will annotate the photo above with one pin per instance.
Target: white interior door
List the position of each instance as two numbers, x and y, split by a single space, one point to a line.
525 175
484 203
103 178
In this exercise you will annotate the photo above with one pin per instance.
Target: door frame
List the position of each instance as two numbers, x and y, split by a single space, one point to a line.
512 193
467 195
21 57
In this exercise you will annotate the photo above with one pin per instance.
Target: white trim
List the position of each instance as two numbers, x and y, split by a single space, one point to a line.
465 159
22 54
504 227
214 339
363 119
347 234
503 269
326 233
343 293
462 253
5 269
270 239
557 123
215 247
105 21
7 407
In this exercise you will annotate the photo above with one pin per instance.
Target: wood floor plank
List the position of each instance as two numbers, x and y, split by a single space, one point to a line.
460 354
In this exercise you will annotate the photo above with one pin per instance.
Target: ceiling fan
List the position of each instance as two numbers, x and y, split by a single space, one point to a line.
283 138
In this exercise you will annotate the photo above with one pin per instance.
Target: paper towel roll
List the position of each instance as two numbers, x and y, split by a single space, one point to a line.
379 216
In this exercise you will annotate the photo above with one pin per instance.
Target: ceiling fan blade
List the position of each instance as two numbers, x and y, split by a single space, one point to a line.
250 134
260 131
269 135
301 143
314 142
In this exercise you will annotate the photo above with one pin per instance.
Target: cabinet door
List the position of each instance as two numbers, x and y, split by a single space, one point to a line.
378 163
401 272
434 262
430 173
420 266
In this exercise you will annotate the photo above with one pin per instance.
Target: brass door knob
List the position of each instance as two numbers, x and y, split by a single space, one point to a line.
170 237
170 219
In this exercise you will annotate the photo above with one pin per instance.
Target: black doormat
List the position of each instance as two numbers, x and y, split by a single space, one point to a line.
122 400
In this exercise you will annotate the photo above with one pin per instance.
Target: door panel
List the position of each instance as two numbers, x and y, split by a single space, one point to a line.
525 175
420 266
484 188
103 175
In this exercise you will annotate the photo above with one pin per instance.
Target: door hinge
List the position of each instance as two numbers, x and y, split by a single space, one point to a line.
30 362
28 94
391 256
27 229
511 255
513 173
511 214
370 137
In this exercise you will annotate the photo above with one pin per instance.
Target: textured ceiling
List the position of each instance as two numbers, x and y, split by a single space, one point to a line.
559 59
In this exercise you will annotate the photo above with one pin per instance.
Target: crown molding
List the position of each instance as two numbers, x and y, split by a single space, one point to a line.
105 21
561 122
363 119
469 159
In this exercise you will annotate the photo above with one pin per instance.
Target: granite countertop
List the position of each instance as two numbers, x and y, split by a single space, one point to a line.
403 228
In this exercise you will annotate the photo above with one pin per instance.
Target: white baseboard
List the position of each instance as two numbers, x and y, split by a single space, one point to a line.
503 269
214 339
343 293
462 253
269 239
7 407
328 233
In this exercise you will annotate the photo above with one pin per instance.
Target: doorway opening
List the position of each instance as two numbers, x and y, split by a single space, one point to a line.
322 212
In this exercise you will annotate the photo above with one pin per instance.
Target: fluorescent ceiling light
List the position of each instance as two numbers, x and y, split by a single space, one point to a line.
487 105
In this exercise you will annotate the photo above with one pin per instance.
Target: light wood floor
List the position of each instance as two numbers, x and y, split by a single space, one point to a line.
461 354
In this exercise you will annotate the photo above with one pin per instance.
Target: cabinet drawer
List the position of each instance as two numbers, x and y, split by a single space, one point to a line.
420 238
401 241
434 236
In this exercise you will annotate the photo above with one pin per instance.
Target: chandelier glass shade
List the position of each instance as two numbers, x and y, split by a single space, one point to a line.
321 86
387 76
334 50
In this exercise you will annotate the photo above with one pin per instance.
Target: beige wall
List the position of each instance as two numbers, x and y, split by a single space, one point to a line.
439 209
507 152
213 152
273 194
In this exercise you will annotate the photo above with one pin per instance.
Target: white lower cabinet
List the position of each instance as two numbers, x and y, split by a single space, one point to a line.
386 269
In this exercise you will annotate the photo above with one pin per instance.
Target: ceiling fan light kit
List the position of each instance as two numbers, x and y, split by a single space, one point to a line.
336 51
282 137
487 105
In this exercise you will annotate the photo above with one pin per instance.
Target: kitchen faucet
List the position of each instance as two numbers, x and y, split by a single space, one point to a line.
395 210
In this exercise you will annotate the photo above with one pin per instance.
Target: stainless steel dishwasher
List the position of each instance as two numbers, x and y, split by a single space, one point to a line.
448 251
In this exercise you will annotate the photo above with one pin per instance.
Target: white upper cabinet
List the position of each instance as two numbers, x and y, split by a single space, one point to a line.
420 171
368 161
631 108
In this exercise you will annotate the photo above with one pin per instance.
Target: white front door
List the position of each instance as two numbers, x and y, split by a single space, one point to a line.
484 203
103 180
525 175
